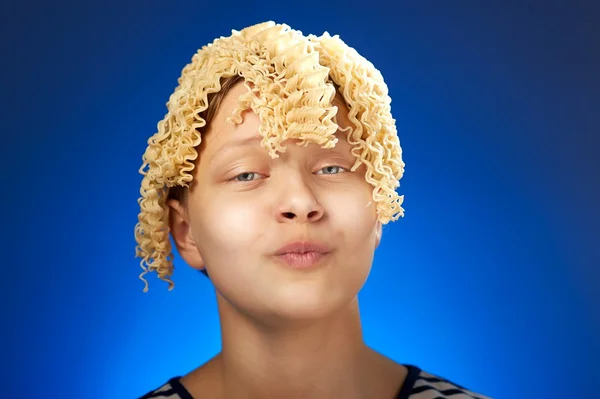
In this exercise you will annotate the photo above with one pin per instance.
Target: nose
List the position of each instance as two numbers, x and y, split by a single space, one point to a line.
299 204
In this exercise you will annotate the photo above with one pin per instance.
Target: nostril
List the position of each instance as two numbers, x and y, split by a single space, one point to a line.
313 214
289 215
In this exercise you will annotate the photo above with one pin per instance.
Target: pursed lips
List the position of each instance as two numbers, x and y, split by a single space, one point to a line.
303 254
302 247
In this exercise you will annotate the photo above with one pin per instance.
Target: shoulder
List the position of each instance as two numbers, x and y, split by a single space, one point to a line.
420 384
173 389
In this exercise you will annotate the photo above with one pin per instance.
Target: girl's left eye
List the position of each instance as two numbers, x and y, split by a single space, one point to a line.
331 170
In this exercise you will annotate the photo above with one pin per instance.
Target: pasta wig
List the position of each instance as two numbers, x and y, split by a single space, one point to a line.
291 81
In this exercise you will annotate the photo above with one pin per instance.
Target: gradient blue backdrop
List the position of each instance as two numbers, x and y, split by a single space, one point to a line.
492 278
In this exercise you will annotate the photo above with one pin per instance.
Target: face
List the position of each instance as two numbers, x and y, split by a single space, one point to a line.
244 207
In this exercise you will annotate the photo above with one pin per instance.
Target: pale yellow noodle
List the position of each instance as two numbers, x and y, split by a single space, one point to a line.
292 80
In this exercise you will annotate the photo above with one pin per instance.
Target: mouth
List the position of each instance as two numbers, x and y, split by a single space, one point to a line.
303 254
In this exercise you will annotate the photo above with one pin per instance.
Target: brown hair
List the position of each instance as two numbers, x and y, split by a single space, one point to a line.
180 193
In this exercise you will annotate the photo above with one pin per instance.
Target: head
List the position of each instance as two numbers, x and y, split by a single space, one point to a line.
272 138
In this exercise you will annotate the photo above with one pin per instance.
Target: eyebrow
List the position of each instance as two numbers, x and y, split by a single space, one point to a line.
253 141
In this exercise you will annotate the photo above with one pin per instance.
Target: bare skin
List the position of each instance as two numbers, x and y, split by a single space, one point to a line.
286 333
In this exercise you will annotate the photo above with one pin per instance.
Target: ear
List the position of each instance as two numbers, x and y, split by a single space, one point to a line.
378 232
181 232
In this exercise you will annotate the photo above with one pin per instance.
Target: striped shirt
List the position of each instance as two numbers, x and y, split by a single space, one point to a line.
418 384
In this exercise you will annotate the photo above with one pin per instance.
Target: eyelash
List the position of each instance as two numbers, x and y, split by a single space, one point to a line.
335 166
235 178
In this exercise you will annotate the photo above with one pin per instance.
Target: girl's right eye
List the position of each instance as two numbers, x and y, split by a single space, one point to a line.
246 176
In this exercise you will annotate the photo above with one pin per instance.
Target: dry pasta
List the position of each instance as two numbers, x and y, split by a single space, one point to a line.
292 80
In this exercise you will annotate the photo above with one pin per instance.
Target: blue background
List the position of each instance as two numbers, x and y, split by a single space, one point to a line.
492 278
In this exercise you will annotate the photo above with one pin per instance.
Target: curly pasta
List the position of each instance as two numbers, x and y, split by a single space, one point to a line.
291 81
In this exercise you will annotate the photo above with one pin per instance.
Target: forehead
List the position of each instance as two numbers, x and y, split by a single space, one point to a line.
219 130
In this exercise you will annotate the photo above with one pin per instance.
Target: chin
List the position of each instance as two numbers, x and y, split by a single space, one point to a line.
305 302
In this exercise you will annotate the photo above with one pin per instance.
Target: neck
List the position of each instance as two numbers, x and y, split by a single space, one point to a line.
324 359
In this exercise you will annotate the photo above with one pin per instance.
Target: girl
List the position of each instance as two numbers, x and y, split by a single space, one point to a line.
273 172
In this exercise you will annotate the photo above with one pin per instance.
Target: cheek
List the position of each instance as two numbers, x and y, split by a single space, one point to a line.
354 222
227 228
230 235
354 219
354 210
